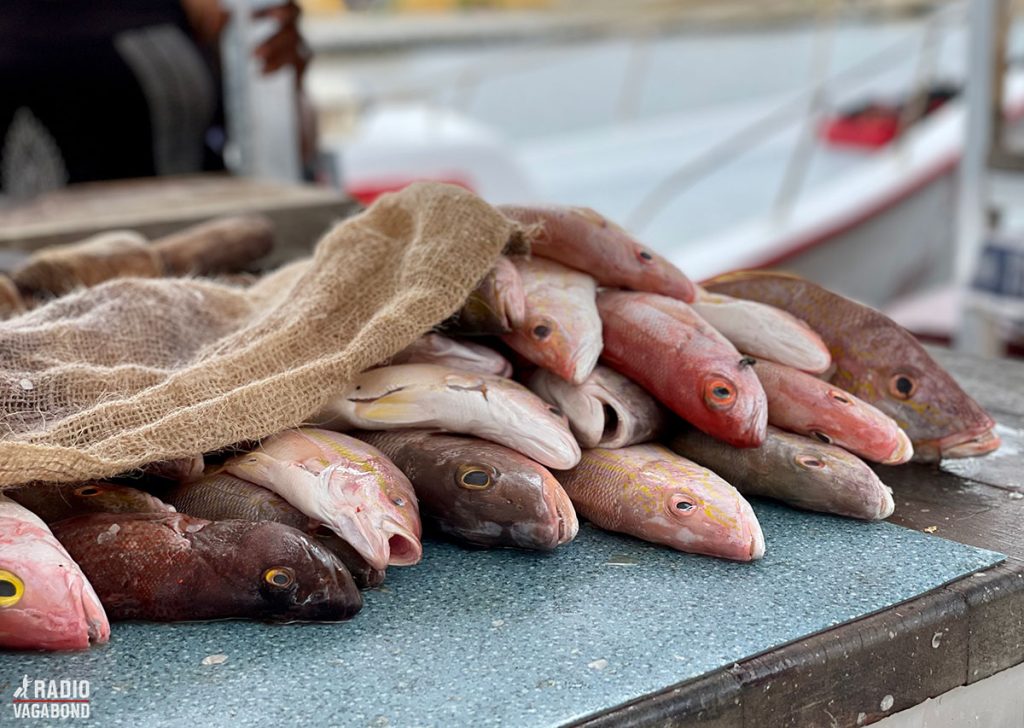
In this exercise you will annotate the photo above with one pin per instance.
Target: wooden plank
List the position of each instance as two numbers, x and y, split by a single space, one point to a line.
160 206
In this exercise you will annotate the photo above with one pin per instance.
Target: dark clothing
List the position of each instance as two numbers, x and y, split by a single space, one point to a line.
101 89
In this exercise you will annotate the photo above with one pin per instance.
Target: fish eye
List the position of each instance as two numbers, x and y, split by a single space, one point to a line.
87 491
822 437
281 577
473 477
556 412
810 461
682 505
400 502
902 386
12 589
541 331
719 393
840 397
644 255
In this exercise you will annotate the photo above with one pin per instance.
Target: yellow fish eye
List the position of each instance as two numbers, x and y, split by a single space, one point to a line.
473 477
282 577
12 589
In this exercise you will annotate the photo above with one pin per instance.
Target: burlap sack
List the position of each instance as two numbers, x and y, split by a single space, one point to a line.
135 371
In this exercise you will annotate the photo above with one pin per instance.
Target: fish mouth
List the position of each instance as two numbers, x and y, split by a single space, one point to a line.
404 549
886 505
95 616
584 360
568 523
959 445
756 541
903 451
370 543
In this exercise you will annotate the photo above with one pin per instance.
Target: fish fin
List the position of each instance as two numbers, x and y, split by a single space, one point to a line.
398 408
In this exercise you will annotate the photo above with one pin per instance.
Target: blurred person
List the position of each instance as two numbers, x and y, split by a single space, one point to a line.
107 89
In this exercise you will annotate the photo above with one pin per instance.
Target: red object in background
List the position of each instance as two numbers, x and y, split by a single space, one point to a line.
367 191
872 127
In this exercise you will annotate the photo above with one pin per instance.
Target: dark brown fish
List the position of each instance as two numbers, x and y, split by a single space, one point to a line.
54 502
221 497
879 361
173 567
480 492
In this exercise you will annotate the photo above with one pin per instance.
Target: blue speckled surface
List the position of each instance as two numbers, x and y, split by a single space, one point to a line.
478 638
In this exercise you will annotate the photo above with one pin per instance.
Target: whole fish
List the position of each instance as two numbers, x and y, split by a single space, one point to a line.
764 331
428 396
464 355
219 496
583 239
173 567
562 329
607 410
345 484
46 602
652 493
661 344
496 305
54 502
480 492
796 470
801 403
879 361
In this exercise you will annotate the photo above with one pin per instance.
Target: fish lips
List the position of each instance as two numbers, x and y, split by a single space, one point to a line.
958 445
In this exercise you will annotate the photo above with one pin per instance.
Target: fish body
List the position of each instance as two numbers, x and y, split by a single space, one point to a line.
608 410
663 345
652 493
219 496
347 485
586 240
562 329
429 396
174 567
796 470
764 331
879 361
46 602
480 492
464 355
804 404
496 305
54 502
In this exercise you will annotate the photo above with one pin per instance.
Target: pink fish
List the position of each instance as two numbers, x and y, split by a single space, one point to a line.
608 410
464 355
801 403
346 484
585 240
562 329
496 305
650 492
661 344
46 603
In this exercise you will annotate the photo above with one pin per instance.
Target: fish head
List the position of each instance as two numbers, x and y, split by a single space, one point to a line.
291 577
566 341
45 600
734 406
112 498
491 495
696 511
879 438
649 270
352 488
813 464
912 388
551 441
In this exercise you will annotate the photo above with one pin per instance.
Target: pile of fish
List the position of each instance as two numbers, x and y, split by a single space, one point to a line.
590 378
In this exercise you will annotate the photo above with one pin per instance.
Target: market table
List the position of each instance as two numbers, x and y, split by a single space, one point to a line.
612 631
956 635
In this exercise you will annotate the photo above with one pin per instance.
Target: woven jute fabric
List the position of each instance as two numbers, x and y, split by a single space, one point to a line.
136 371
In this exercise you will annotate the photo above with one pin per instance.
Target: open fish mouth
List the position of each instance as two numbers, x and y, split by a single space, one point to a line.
404 548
